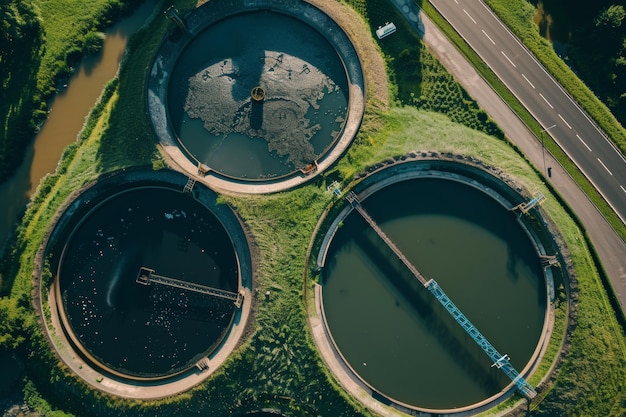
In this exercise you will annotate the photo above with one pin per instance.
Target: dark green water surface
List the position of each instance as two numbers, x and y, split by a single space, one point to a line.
393 332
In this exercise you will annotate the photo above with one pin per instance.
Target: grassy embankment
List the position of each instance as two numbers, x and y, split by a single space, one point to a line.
64 31
606 121
21 42
279 365
71 29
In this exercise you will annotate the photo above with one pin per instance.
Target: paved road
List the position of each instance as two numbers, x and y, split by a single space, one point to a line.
546 100
611 249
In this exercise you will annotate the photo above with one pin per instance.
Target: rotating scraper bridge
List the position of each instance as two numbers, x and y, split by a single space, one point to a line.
499 361
148 276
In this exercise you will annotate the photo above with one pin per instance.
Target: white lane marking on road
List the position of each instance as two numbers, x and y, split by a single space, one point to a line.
528 81
546 100
551 78
488 37
622 187
564 121
509 59
470 16
602 163
456 1
581 139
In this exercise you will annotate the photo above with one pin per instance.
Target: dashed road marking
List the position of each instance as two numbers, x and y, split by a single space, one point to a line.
528 81
546 100
509 59
488 37
607 170
564 121
470 16
583 142
622 187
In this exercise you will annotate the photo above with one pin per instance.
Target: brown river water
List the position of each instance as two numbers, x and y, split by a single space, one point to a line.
68 111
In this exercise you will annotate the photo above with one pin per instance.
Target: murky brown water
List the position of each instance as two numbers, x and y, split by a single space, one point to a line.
67 115
556 20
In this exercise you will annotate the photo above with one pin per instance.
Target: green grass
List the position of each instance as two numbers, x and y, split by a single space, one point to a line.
67 24
419 78
527 118
20 55
46 52
279 365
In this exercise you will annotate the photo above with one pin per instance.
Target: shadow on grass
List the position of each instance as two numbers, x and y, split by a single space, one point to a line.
129 139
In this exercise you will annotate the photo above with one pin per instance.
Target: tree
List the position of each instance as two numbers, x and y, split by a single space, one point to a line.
610 18
12 324
20 43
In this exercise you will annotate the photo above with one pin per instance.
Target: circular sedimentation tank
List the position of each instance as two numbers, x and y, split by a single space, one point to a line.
456 224
150 275
256 97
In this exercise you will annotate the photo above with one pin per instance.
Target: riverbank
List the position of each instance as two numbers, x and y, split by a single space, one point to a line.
44 42
68 112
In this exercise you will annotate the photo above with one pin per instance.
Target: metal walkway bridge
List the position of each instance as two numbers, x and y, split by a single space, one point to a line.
147 276
499 361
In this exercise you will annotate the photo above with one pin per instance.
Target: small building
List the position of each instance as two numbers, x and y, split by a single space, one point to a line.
384 31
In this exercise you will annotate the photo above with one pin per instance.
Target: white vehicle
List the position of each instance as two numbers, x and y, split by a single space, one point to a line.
384 31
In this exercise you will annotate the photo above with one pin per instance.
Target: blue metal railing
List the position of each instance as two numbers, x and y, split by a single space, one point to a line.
500 361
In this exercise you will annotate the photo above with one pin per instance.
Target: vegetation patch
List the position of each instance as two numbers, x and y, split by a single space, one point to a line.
419 79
